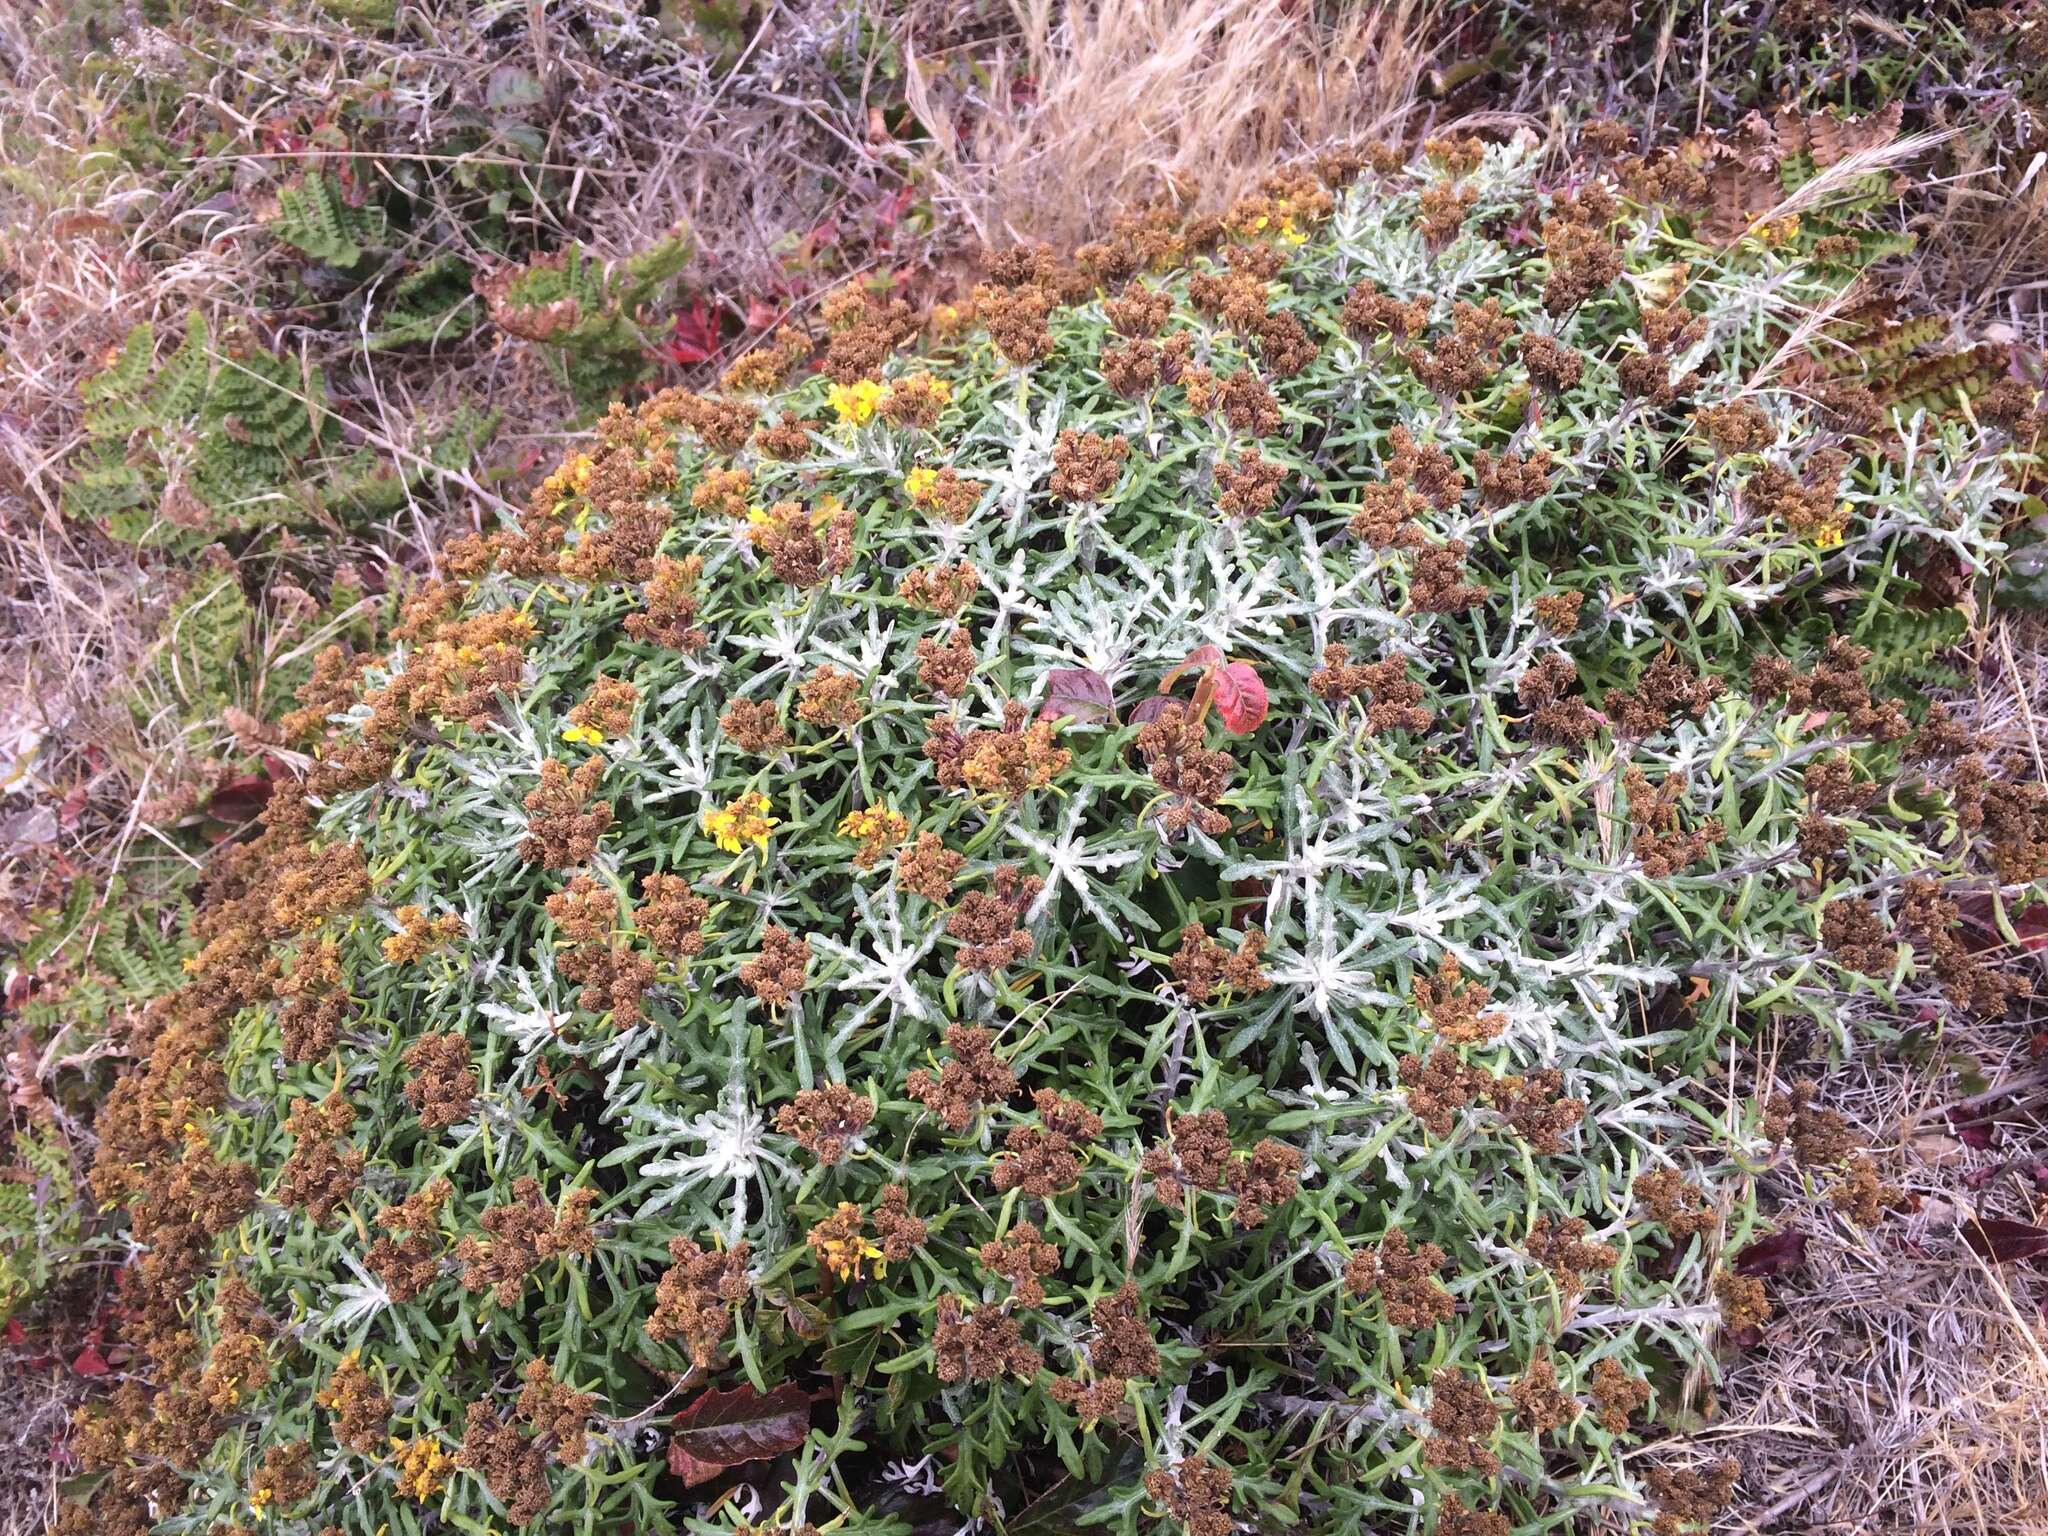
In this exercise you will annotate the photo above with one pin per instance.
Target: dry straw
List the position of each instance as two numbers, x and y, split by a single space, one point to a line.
1129 100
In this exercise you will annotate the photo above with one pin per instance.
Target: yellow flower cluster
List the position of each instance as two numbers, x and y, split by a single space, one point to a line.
742 821
1779 231
423 1467
572 479
842 1247
917 485
1285 231
589 735
876 828
856 402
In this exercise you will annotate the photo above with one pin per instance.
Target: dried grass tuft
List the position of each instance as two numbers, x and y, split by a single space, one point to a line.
1903 1386
1125 101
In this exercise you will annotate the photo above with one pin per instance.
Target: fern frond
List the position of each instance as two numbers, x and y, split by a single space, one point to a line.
313 217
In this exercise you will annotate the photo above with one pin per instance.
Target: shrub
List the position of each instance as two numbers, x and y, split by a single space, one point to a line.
1101 917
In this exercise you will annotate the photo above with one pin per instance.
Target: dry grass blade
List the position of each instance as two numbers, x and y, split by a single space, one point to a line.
1133 99
1836 181
1832 184
1931 1392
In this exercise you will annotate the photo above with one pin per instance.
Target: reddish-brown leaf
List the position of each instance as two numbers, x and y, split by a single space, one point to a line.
1148 709
1981 1134
1981 930
1777 1254
720 1430
2005 1242
1077 693
73 808
239 799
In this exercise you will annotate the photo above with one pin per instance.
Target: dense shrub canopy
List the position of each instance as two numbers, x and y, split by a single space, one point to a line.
1114 906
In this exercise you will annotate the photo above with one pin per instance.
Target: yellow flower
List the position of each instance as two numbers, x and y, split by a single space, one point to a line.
742 821
877 829
588 734
856 402
571 479
947 319
1779 232
870 821
422 1467
1829 537
842 1247
1289 234
919 482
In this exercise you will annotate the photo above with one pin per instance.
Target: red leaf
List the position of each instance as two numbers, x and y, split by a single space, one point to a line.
1777 1254
73 807
1077 693
239 799
761 314
1201 657
1240 697
893 207
2005 1242
693 335
16 1334
721 1430
1979 1134
1978 1178
1980 924
90 1362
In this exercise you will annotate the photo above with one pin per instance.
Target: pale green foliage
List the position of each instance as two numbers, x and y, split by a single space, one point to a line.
1365 855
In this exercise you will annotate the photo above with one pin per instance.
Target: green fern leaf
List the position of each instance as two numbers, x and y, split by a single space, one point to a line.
313 217
432 303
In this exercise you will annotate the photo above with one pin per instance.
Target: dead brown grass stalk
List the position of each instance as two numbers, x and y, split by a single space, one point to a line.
1903 1386
1130 100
